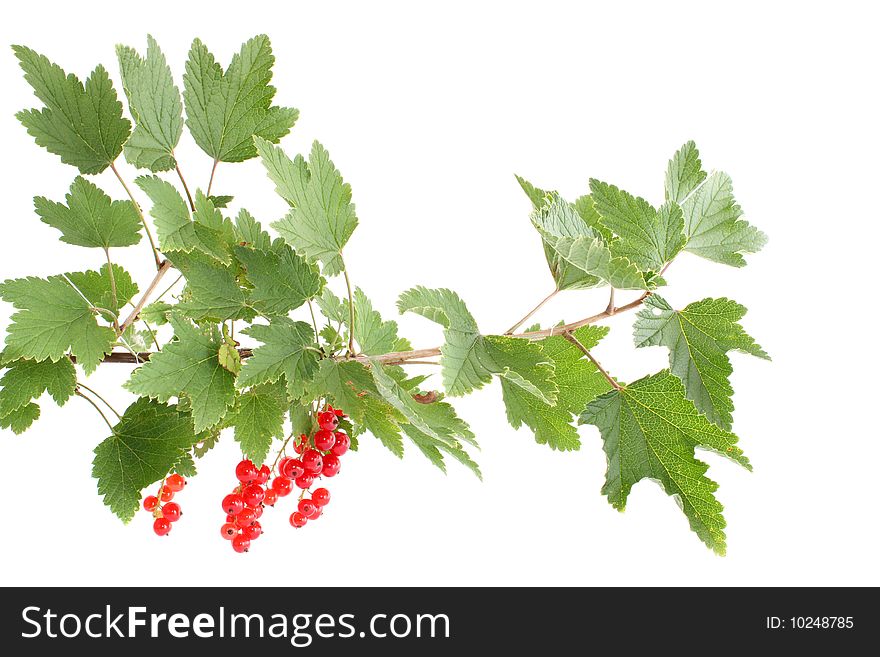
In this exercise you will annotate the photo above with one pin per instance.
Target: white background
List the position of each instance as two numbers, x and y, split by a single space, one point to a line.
428 114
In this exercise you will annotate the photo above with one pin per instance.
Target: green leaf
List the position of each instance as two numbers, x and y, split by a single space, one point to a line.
577 256
322 216
21 418
156 313
684 173
373 335
146 443
380 419
259 417
285 351
249 232
205 231
27 380
301 420
469 359
698 339
82 124
96 287
226 109
228 357
334 308
185 465
220 201
154 101
579 382
52 320
188 366
536 195
212 292
281 279
650 238
713 226
419 427
651 430
91 218
345 383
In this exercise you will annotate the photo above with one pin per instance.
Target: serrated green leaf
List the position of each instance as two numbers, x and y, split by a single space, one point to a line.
96 287
27 380
204 231
154 101
650 431
301 420
713 226
579 382
379 420
156 313
21 418
333 308
188 366
212 290
249 232
421 422
82 124
648 237
469 359
91 218
220 201
185 465
259 417
207 442
698 338
374 336
536 195
282 281
684 173
577 256
285 351
346 384
52 320
322 216
226 109
146 443
229 358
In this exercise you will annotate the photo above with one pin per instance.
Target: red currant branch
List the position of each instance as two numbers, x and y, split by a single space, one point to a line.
532 312
164 266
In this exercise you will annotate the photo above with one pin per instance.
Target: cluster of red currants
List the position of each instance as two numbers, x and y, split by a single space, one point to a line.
319 456
163 509
244 505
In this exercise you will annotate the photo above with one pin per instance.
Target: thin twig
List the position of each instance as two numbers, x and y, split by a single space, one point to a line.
133 315
140 214
314 321
531 312
351 351
211 180
189 198
88 399
577 343
112 286
80 384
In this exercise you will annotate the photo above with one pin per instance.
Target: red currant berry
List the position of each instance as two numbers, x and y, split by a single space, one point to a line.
318 511
271 497
282 462
233 504
241 544
161 526
343 442
229 531
324 440
245 471
263 475
328 420
307 508
253 532
166 494
304 481
313 462
175 482
151 502
299 446
171 511
282 486
258 511
332 464
293 469
298 520
245 518
321 496
253 494
230 518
